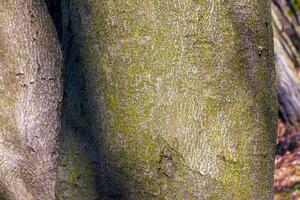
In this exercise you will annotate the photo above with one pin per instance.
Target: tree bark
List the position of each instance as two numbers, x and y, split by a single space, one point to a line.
30 96
287 48
168 100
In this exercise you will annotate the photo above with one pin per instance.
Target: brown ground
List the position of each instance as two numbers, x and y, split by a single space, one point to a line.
287 164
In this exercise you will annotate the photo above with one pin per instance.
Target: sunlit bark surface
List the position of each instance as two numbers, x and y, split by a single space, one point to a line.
30 96
168 100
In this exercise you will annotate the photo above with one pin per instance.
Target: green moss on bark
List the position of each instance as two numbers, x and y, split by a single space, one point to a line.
179 95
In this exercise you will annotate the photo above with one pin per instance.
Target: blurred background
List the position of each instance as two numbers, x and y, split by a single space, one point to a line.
286 28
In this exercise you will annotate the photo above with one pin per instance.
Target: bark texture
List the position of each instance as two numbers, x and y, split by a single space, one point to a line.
168 100
30 96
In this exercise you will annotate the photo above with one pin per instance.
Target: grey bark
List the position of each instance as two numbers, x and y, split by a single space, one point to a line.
168 100
30 96
163 100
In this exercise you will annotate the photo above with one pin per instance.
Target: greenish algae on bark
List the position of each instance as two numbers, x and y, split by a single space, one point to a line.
173 100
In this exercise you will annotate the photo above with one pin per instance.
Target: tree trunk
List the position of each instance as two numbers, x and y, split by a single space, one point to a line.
287 49
168 100
30 96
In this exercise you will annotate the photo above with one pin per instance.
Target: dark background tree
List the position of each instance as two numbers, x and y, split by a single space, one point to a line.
287 48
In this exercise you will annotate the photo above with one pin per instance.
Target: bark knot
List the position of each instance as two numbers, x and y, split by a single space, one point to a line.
167 166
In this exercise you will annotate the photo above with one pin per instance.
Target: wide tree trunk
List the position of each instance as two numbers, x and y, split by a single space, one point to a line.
30 96
167 100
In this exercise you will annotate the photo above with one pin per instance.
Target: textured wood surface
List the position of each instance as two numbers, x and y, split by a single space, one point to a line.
168 100
30 96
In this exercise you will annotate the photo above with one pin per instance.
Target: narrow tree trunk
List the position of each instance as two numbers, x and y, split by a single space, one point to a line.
30 95
179 97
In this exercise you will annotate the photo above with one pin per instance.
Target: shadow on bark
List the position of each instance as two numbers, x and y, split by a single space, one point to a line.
258 64
54 7
84 170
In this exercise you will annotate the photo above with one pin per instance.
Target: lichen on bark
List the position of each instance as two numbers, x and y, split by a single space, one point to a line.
178 98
